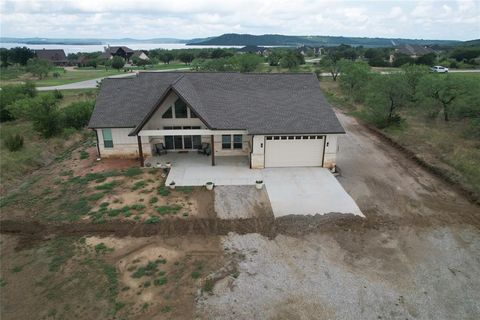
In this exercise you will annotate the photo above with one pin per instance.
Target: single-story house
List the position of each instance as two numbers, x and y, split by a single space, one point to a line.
56 56
116 51
274 120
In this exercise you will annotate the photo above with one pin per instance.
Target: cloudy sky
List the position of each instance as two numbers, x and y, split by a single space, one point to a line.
200 18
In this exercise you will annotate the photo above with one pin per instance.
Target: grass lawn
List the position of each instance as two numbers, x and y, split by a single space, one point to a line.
442 144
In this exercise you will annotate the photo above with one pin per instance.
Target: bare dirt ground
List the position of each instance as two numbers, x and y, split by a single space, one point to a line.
415 256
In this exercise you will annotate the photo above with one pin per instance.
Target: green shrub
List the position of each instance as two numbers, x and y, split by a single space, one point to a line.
196 274
152 220
163 210
163 191
139 185
13 142
160 281
106 186
77 114
153 200
131 172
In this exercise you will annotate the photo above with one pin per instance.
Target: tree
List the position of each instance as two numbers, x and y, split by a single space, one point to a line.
331 64
47 118
413 75
246 62
385 95
166 57
4 57
39 67
77 114
353 78
220 53
291 60
12 93
118 62
427 59
401 59
21 55
186 57
441 91
273 58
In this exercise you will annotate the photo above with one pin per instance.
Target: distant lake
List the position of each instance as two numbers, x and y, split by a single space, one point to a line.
92 48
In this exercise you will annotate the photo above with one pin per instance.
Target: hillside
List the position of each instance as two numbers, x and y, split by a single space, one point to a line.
234 39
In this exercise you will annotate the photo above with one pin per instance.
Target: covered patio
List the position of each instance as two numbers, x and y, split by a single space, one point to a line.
193 169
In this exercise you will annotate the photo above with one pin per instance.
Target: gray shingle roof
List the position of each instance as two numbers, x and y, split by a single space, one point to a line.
414 49
260 103
53 55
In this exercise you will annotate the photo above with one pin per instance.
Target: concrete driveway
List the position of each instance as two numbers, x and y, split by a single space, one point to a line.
306 191
297 191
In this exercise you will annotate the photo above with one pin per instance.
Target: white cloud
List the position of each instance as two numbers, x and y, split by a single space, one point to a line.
186 18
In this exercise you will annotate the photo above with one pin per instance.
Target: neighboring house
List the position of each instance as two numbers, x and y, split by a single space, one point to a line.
275 120
117 51
56 56
140 54
412 50
254 49
303 50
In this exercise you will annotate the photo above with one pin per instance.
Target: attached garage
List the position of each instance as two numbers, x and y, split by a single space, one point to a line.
294 151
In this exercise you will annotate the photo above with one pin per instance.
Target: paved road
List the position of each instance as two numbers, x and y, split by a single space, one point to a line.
92 83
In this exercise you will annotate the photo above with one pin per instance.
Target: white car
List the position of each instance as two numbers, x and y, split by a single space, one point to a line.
439 69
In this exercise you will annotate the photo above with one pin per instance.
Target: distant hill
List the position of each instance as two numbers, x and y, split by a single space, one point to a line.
234 39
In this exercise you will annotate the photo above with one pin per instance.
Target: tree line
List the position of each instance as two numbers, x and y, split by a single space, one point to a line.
384 96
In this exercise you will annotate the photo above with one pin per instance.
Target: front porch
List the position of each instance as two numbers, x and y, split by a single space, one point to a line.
193 169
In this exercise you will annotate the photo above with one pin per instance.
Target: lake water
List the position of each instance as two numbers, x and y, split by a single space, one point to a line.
92 48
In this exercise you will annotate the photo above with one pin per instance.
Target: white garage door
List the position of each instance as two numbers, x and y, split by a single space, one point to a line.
294 151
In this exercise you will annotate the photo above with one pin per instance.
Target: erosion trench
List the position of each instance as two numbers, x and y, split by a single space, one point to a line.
292 225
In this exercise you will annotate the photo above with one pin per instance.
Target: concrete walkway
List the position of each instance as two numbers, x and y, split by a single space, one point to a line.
92 83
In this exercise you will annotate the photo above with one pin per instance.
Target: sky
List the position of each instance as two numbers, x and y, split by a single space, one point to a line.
186 19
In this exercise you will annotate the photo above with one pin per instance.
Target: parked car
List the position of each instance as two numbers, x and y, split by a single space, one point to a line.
439 69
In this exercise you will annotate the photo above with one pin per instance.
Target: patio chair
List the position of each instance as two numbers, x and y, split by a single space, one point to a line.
160 149
205 149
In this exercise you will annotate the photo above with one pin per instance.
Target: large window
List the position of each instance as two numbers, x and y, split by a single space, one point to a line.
232 141
183 142
168 114
226 141
180 109
237 141
107 138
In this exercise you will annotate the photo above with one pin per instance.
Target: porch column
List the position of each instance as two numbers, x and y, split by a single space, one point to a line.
213 150
98 144
140 151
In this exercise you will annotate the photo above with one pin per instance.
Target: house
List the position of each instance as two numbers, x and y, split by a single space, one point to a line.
254 49
117 51
304 50
140 54
273 120
56 56
412 50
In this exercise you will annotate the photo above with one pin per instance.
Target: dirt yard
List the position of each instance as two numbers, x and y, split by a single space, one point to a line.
416 255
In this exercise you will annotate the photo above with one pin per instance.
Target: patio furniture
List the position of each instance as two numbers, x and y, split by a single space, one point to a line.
160 149
205 149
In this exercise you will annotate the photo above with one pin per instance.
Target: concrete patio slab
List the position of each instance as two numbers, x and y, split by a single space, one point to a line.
306 191
192 169
292 191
